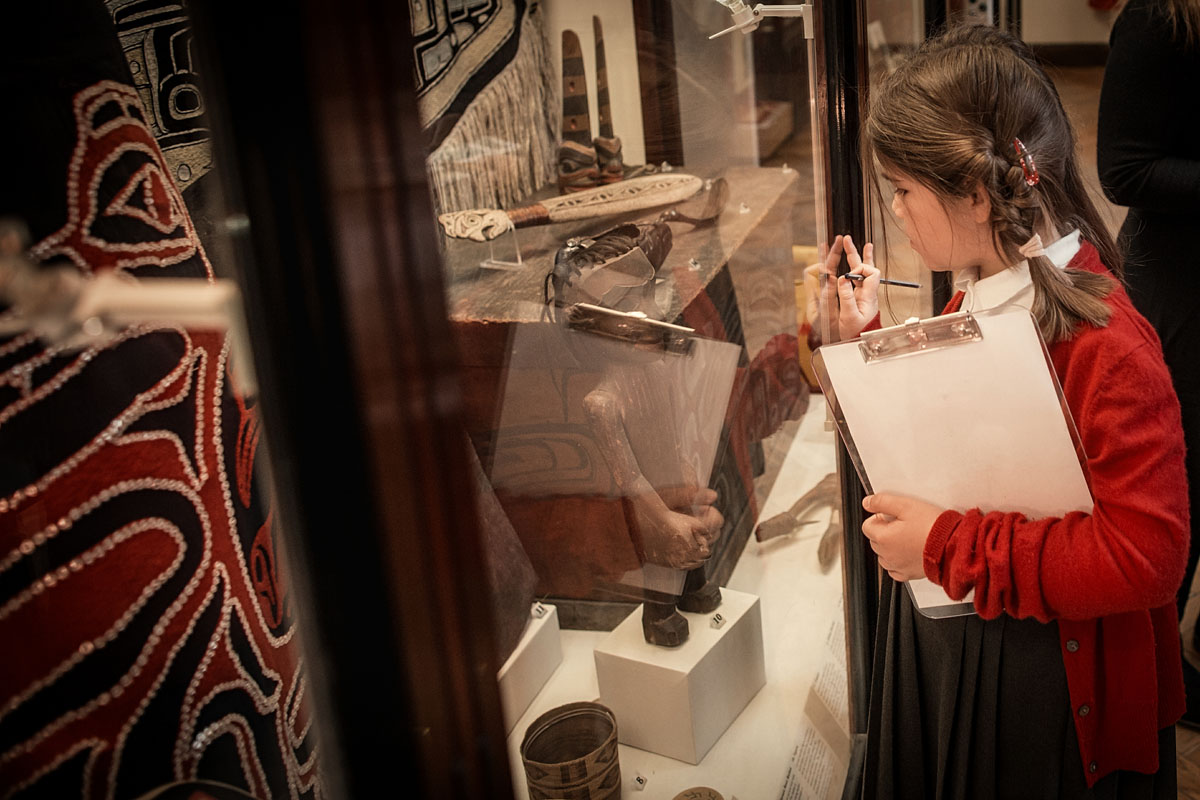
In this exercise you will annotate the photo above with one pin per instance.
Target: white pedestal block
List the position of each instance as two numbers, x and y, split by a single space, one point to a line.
531 664
678 701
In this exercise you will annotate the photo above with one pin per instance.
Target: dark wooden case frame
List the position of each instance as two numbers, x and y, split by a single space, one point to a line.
316 136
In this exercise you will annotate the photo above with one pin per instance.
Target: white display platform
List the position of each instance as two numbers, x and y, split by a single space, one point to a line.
801 618
677 701
531 663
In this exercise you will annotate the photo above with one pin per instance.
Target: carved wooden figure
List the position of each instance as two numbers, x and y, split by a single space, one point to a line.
671 514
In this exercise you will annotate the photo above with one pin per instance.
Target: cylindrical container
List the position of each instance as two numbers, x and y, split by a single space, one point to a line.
570 753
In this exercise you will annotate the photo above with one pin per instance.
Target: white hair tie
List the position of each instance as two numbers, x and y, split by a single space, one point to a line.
1033 248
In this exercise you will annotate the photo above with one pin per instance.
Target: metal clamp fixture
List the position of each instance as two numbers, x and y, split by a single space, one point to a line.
916 336
747 19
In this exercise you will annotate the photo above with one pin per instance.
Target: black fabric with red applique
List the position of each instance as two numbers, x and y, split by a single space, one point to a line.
143 600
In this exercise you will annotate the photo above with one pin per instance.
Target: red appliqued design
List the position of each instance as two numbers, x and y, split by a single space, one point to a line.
123 210
139 572
247 446
267 577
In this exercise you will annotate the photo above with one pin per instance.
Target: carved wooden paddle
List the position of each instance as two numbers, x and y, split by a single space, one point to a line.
634 194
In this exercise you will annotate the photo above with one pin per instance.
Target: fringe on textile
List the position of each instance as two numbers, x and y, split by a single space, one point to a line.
504 145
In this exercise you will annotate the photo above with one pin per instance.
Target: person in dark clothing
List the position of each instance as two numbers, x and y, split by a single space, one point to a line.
1148 155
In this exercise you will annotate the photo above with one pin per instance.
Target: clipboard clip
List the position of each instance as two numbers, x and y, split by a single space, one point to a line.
919 336
633 327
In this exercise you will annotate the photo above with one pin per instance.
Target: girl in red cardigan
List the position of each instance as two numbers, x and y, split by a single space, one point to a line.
1067 683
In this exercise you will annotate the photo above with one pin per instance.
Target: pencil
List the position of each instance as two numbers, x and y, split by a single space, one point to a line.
856 276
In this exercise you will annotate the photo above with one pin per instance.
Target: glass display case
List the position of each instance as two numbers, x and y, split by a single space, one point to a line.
482 424
631 337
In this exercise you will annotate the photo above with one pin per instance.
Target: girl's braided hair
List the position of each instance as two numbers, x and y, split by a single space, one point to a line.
948 118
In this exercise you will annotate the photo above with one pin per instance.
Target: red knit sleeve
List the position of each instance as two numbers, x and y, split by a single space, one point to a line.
1130 552
935 544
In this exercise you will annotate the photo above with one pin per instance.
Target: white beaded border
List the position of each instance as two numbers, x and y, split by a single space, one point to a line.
237 726
151 643
219 445
266 705
191 709
132 412
217 574
86 102
119 205
293 706
109 543
97 746
17 342
197 474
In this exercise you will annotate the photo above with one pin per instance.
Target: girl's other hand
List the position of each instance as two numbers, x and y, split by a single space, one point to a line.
898 527
858 300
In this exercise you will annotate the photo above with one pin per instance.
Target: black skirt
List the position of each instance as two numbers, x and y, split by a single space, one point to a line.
971 709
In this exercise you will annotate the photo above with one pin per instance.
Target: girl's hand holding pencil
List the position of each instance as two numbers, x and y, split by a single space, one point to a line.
858 298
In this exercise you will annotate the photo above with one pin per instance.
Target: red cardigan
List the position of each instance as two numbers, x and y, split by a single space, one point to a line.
1108 578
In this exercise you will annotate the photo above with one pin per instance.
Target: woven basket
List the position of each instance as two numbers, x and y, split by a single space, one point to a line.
570 753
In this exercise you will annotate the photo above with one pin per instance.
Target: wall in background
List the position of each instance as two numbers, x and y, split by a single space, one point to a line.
1064 22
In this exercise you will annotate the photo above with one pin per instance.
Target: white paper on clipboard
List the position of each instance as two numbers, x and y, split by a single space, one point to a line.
962 411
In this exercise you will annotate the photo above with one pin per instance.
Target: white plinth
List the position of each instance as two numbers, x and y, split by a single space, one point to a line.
678 701
531 664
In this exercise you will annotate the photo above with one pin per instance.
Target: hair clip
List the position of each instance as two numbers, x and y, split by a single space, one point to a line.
1027 165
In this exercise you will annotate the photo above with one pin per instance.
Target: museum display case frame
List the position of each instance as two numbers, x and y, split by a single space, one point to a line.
338 256
403 668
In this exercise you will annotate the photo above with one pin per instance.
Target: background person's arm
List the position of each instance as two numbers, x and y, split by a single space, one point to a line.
1144 137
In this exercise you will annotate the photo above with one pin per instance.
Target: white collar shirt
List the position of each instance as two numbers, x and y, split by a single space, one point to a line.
1012 286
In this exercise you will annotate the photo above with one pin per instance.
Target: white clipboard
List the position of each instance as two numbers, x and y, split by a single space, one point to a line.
962 411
